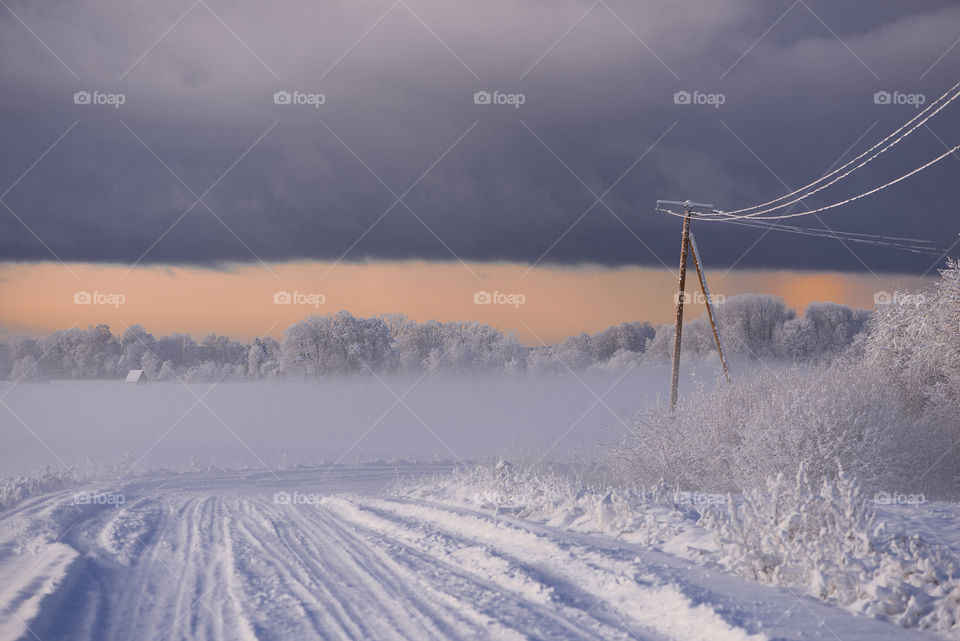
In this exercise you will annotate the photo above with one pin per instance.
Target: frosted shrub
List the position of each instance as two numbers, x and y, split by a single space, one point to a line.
887 408
799 533
521 490
738 435
915 340
51 478
824 538
16 488
914 344
558 497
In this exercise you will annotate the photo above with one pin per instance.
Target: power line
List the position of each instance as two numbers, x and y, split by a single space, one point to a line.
757 219
923 116
833 232
870 192
913 245
825 233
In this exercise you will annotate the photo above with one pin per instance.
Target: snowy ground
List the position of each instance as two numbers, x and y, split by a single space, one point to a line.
340 419
320 553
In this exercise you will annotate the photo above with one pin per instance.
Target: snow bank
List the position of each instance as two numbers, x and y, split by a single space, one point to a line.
51 478
821 538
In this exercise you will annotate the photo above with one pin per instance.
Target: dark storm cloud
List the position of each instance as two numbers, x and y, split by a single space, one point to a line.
397 98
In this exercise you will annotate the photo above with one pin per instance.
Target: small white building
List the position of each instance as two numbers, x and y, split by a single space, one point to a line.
136 376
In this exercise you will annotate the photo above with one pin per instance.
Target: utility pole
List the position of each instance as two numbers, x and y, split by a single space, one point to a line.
688 208
678 326
709 303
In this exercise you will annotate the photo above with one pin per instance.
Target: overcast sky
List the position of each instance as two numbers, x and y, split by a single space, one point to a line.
475 181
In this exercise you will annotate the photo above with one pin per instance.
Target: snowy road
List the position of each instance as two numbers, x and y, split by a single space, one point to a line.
321 555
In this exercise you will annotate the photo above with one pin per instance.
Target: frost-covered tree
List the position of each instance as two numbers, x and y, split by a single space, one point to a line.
262 358
97 353
179 349
338 343
56 359
825 330
631 337
134 343
751 325
25 369
23 346
220 350
168 373
150 365
473 347
6 361
762 327
417 345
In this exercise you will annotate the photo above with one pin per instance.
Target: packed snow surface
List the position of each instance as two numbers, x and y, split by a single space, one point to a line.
322 554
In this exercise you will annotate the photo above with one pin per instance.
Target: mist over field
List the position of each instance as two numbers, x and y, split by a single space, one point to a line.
350 419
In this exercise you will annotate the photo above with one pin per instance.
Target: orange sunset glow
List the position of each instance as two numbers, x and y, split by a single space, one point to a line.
239 300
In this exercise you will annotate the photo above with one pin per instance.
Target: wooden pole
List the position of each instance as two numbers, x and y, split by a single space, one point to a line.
678 328
706 295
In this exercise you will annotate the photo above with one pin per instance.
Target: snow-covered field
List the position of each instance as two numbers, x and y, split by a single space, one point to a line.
339 419
323 553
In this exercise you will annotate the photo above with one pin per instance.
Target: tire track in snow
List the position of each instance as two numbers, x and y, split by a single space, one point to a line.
642 599
215 567
326 555
278 594
472 603
367 595
503 591
175 587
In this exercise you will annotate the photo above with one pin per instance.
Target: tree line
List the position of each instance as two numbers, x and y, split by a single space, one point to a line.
752 326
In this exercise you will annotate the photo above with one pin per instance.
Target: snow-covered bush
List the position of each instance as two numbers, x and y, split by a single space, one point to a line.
915 339
825 539
736 436
585 496
889 409
51 478
559 495
523 491
799 533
